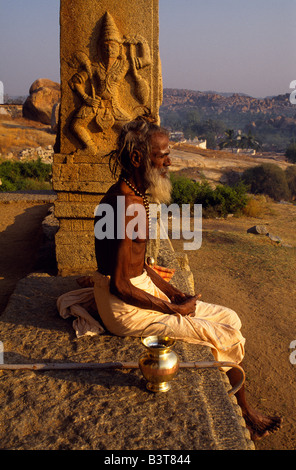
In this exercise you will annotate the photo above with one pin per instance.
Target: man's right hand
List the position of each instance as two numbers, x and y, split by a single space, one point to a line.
187 307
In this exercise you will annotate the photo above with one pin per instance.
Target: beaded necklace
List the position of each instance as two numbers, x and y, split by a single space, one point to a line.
143 196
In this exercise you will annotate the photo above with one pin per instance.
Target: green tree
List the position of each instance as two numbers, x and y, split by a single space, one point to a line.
210 130
214 126
230 141
172 120
248 141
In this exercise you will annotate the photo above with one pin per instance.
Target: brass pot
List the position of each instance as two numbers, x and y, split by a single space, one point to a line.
159 364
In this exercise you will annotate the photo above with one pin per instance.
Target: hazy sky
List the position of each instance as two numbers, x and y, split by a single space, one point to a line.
223 45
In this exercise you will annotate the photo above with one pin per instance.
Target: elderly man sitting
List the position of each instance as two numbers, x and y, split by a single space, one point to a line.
129 294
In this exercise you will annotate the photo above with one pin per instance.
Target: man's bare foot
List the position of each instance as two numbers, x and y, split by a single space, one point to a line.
261 426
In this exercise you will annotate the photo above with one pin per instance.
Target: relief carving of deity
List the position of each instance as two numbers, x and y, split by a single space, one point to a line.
97 83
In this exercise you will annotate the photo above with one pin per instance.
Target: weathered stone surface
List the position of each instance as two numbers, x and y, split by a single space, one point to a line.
258 229
44 94
274 238
103 89
55 117
77 246
107 409
50 224
45 196
167 257
263 230
83 176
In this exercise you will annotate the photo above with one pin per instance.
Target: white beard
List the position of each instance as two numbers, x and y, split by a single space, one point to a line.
159 185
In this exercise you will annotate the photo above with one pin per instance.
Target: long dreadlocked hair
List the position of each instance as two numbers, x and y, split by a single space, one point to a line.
134 135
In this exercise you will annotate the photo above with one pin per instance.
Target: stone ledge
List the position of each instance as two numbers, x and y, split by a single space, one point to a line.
106 409
44 197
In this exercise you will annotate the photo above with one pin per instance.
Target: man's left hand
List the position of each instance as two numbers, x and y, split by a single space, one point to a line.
179 298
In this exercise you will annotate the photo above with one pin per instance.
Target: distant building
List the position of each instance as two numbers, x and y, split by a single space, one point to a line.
244 151
178 136
200 144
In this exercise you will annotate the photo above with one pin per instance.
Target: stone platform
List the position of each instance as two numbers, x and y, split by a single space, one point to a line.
102 409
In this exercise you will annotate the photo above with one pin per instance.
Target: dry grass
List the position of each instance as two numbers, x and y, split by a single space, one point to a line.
256 277
257 206
19 133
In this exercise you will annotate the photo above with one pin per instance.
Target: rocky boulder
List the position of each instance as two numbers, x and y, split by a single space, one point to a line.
258 229
43 95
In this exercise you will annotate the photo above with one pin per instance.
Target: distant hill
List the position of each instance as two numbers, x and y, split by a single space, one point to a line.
272 119
225 93
219 103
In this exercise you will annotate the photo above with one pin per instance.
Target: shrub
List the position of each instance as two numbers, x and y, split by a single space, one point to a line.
291 152
231 200
255 206
267 179
291 179
24 175
215 202
222 200
184 190
7 186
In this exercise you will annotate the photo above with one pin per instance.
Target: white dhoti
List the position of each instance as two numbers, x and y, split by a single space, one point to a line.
212 325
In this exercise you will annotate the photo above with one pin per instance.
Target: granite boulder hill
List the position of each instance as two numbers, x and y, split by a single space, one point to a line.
271 120
44 94
275 106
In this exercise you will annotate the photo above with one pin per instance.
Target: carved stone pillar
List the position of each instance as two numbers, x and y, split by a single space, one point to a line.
110 74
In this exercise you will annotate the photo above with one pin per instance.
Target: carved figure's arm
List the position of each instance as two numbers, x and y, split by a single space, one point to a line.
76 84
144 57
